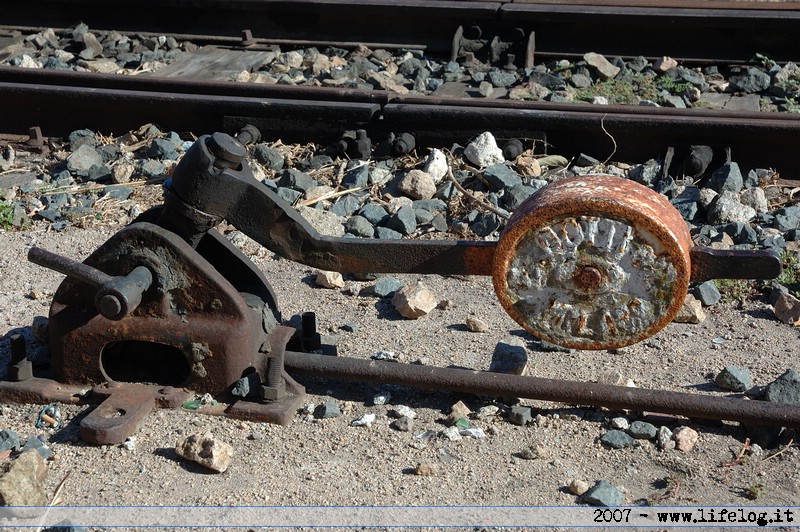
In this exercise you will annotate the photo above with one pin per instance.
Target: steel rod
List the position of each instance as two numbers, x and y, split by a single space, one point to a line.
562 391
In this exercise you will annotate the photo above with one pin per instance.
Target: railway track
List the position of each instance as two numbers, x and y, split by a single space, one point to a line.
59 102
724 29
527 31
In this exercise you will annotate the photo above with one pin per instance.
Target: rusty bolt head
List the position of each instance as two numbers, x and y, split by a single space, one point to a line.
273 393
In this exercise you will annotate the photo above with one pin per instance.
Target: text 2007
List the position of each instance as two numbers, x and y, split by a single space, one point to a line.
609 515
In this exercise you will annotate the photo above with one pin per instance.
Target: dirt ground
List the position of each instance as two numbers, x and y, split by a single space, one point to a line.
329 462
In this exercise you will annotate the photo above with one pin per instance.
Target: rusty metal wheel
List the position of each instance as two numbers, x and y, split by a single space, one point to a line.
593 262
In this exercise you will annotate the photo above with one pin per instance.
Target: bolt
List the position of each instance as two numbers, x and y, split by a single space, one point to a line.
404 144
588 278
247 38
19 351
109 306
512 149
249 134
227 150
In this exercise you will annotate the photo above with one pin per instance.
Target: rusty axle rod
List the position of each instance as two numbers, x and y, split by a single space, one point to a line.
571 392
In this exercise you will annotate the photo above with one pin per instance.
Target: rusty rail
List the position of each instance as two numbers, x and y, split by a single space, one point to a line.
109 105
569 392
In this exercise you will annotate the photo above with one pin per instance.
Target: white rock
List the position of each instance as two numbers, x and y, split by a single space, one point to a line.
620 423
436 165
755 199
578 487
207 451
329 279
403 410
691 311
122 173
381 398
476 325
664 63
452 433
414 301
364 421
483 151
685 438
473 432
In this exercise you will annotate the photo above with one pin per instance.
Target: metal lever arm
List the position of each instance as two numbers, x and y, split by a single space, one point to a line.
116 297
234 194
206 191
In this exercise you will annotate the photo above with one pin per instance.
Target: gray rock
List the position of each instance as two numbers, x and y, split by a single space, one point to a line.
345 206
22 481
404 221
753 81
82 159
403 424
34 443
620 423
513 197
617 439
9 440
485 224
268 156
359 226
386 286
289 195
671 100
603 493
152 168
707 293
297 180
387 234
726 208
687 203
733 378
117 193
162 149
727 177
501 177
664 438
642 430
247 386
580 81
375 213
520 415
327 410
509 357
646 173
741 233
784 389
92 47
787 218
356 175
502 78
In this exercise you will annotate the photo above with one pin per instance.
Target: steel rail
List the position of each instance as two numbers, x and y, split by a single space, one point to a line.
764 140
570 392
660 26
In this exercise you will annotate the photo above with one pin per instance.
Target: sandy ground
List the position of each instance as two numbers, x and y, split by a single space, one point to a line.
329 462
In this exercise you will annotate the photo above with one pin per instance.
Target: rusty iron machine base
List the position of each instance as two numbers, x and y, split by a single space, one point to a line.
168 308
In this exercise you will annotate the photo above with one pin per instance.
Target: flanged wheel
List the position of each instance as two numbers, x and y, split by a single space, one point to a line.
593 262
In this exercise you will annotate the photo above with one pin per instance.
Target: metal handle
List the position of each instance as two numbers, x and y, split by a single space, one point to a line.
116 297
